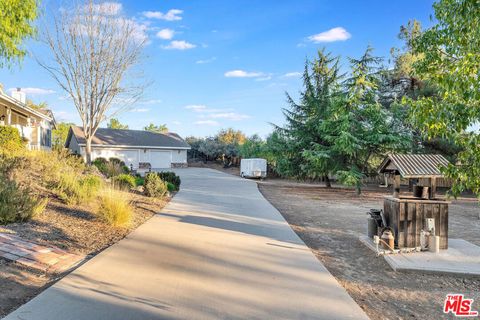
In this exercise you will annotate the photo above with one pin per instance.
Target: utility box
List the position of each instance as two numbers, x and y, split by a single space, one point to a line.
409 214
253 168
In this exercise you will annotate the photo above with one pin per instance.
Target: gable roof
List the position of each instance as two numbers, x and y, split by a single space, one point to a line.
129 138
414 165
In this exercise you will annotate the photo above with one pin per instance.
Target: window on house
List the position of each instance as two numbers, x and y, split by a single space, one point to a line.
45 137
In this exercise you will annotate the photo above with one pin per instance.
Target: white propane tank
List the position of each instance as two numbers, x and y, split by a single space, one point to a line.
434 244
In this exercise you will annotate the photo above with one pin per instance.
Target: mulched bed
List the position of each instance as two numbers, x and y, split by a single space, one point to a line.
72 228
76 229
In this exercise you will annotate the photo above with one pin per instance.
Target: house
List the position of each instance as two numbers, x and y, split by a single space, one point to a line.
141 150
35 126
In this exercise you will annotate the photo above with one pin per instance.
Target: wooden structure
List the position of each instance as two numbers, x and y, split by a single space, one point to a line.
406 214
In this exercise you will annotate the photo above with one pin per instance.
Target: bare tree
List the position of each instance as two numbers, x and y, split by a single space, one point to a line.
94 50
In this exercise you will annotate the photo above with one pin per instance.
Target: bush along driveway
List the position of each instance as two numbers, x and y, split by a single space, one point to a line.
218 250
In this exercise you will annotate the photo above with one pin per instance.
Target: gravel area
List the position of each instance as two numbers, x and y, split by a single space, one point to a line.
330 222
74 229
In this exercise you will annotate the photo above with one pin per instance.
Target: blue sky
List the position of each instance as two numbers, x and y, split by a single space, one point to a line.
217 64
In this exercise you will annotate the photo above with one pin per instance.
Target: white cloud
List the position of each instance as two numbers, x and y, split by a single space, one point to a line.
179 45
211 113
332 35
242 74
107 8
209 60
140 110
171 15
151 101
199 108
165 34
228 116
207 122
33 91
266 78
292 75
276 84
196 107
177 123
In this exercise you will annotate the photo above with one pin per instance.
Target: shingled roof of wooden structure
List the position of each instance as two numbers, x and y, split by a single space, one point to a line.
414 165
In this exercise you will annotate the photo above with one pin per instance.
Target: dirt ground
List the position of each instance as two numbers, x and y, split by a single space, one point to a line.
330 222
75 229
217 166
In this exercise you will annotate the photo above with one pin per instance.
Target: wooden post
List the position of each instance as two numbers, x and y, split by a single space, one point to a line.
396 186
9 116
433 187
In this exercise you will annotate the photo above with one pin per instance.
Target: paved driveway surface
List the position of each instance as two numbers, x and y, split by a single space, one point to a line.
218 250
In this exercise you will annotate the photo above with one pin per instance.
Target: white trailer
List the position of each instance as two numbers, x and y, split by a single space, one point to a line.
253 168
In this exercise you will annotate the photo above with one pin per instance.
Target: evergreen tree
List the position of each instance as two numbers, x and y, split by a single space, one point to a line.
359 128
306 147
158 129
115 124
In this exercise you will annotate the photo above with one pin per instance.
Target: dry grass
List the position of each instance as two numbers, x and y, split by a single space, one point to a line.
114 207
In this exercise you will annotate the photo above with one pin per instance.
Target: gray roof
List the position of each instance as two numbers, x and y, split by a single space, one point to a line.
130 138
414 165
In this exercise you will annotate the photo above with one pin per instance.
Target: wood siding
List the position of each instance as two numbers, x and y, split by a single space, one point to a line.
407 218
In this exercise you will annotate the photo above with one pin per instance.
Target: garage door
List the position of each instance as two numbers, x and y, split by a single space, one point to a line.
160 159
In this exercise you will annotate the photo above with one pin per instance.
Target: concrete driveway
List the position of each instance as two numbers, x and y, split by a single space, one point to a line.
219 250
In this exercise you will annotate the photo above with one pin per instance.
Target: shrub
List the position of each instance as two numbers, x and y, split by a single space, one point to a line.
171 177
124 181
116 160
171 187
73 190
110 168
154 186
114 209
100 160
10 139
122 164
91 184
101 164
113 169
139 180
16 204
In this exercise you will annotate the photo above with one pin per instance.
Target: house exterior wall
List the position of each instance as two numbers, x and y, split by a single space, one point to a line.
179 158
74 147
131 156
31 126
